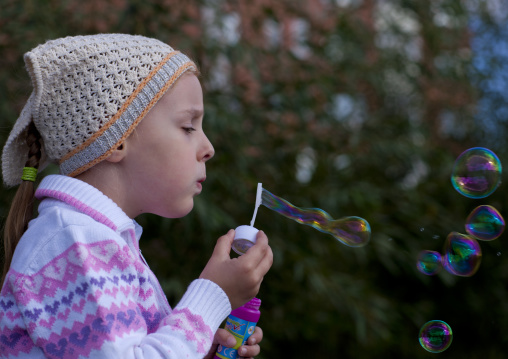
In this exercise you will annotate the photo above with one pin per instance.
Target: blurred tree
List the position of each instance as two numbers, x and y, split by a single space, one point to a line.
358 107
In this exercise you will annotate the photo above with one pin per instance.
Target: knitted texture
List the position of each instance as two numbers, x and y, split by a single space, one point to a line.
78 288
89 94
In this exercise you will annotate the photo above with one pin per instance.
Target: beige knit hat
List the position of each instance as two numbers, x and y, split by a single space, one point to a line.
90 92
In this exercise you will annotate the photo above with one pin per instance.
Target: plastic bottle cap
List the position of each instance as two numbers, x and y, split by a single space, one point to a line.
254 303
245 237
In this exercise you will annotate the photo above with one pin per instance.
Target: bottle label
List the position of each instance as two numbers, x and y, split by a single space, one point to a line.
241 330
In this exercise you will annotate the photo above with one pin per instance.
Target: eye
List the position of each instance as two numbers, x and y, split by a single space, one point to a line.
189 129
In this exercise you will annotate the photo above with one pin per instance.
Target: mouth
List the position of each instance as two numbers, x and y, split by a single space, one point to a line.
199 183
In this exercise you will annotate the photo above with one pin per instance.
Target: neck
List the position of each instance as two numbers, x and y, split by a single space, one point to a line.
107 178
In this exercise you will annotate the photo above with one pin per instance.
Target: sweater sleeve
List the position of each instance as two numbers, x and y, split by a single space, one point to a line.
96 300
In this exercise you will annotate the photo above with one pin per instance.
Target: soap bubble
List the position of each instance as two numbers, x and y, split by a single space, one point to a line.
352 231
435 336
485 223
462 254
476 173
429 262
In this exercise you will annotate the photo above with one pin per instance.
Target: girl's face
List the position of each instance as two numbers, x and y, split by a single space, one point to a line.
167 152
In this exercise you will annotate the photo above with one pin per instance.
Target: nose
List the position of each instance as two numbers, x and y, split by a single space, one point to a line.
208 150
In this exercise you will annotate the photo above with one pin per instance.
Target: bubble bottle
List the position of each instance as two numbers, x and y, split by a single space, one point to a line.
242 321
241 324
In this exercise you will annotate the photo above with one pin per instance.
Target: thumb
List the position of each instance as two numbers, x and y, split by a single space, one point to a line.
223 246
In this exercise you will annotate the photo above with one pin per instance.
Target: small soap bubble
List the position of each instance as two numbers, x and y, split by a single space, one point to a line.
435 236
435 336
422 229
499 254
429 262
476 173
462 254
485 223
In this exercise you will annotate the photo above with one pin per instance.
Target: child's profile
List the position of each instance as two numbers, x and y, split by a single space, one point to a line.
122 117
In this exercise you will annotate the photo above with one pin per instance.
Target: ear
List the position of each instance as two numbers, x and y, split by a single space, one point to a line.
118 154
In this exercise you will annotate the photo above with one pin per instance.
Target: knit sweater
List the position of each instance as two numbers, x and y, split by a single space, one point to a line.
79 288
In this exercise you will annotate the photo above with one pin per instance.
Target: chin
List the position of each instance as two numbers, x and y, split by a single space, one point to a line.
180 212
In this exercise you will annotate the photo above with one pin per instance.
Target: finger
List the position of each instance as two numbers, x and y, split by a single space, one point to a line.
249 350
223 246
258 250
225 338
265 263
256 337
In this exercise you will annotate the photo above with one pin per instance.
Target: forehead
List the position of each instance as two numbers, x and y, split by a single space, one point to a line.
185 95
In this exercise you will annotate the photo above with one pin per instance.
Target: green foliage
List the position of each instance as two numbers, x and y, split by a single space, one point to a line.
359 109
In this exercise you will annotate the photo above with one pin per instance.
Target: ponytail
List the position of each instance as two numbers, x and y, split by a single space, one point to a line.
21 211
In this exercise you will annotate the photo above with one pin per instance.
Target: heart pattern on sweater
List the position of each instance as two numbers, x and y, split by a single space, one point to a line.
104 252
77 255
56 270
33 284
58 351
11 340
75 338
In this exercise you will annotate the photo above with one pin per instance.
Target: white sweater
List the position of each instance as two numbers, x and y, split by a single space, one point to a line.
79 288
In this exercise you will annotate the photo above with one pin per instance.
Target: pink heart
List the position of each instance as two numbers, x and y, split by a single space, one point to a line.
12 316
126 290
79 308
64 316
147 294
47 324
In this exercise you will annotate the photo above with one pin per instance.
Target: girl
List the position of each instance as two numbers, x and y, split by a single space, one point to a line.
122 116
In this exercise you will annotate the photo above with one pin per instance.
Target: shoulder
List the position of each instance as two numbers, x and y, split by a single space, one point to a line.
57 230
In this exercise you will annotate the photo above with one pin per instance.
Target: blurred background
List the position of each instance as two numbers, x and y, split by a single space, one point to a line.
358 107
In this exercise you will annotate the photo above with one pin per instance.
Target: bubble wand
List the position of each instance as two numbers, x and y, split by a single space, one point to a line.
352 231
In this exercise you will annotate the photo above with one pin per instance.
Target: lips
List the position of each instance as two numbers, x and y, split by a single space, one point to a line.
199 183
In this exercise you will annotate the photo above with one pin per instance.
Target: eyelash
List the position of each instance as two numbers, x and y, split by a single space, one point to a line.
189 129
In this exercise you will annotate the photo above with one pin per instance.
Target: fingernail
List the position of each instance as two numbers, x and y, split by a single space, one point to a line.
231 342
242 351
252 341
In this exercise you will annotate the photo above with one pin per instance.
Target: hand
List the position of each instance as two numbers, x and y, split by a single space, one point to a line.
224 338
240 278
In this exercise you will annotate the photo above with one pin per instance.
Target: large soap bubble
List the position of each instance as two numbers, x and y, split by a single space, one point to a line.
476 173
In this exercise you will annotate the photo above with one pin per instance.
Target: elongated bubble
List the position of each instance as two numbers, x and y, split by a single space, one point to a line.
352 231
462 254
485 223
476 173
435 336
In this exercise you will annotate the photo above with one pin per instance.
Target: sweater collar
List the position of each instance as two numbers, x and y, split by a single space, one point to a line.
86 199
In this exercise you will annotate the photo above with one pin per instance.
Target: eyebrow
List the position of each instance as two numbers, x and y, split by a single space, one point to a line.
193 112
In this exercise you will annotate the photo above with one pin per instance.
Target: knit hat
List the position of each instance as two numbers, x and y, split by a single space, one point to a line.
90 92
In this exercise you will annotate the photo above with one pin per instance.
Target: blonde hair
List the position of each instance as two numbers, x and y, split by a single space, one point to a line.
21 211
